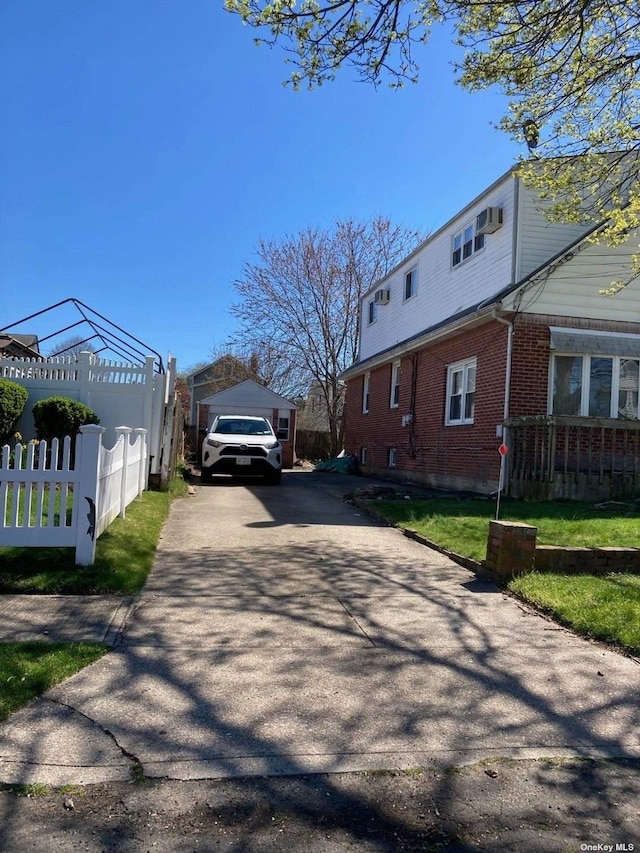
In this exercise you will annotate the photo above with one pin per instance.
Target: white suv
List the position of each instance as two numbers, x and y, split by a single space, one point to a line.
241 444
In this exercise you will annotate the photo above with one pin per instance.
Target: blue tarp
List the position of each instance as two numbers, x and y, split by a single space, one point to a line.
339 465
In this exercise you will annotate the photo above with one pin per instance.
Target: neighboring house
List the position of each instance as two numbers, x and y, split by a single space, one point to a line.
313 414
19 346
493 331
220 374
251 398
205 381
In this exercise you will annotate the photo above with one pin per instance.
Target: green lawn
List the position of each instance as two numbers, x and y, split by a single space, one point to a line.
461 524
124 555
605 608
28 669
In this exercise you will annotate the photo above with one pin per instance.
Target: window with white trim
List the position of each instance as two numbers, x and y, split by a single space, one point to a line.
283 426
595 386
410 283
372 313
394 397
461 392
465 243
363 455
392 457
365 393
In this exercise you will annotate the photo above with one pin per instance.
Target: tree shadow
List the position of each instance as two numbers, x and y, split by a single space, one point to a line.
341 646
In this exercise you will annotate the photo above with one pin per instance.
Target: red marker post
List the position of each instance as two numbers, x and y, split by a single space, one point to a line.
502 450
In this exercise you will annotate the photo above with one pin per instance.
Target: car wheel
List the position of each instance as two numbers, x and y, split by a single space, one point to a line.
205 475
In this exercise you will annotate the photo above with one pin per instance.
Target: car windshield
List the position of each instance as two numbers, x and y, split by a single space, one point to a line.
242 426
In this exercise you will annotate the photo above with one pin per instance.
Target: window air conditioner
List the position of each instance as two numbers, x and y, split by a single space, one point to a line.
489 220
407 419
381 297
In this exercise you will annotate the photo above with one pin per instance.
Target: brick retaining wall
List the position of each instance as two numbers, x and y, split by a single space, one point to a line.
512 550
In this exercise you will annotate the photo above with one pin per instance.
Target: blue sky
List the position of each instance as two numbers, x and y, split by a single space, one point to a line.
146 148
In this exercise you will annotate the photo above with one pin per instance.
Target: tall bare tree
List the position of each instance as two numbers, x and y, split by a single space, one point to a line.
298 304
73 346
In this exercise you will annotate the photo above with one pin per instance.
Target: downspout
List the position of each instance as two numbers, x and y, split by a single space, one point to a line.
507 380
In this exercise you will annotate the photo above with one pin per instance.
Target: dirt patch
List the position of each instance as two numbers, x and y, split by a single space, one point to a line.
505 805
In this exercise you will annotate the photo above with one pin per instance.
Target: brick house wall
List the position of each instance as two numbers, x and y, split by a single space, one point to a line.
461 457
465 456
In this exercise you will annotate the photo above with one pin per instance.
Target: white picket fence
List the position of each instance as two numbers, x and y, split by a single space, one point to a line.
48 501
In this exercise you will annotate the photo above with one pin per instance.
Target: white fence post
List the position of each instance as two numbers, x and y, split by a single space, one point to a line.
152 410
84 370
88 463
124 433
143 478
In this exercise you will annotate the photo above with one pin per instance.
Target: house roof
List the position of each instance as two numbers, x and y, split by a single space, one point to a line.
21 345
209 370
248 393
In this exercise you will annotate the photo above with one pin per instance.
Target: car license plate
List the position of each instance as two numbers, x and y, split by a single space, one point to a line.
243 460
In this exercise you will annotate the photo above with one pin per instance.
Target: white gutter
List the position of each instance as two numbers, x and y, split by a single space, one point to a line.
507 378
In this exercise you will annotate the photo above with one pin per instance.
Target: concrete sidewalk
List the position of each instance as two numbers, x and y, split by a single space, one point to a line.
63 618
282 631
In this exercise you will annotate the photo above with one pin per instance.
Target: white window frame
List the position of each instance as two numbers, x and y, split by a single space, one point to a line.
283 415
466 241
585 381
410 280
394 396
392 457
464 367
372 312
366 390
363 455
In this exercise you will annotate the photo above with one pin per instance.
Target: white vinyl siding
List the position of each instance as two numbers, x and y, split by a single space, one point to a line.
538 239
442 291
574 288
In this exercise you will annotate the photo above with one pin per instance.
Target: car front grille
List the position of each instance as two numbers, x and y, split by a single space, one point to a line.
244 450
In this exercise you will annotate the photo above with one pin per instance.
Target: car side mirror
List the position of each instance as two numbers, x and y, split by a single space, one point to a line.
203 431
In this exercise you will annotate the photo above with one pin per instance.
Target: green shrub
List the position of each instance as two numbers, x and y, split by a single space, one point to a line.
60 416
13 399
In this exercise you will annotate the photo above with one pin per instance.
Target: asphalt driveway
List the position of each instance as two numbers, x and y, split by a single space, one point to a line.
283 631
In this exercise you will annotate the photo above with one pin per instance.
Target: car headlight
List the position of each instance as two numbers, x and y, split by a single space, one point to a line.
272 445
213 442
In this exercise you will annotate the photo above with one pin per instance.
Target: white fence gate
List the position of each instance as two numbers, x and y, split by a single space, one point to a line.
49 499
